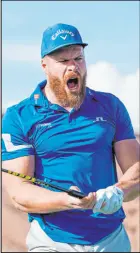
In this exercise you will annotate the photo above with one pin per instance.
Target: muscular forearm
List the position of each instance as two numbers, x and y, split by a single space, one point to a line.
34 199
129 182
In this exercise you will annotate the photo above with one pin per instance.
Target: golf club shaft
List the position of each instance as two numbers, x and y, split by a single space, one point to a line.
41 182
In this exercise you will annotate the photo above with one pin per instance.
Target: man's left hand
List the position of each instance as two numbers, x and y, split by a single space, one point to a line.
108 200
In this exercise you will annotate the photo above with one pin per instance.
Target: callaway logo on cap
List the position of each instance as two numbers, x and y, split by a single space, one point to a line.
61 32
60 35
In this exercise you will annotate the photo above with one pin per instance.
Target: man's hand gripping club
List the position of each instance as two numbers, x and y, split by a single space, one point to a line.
107 201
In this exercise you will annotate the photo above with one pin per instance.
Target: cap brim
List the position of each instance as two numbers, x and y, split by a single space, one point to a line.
61 46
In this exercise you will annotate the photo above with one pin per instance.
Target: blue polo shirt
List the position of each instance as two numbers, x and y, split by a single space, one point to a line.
70 148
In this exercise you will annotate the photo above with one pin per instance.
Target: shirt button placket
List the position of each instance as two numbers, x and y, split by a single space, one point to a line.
71 119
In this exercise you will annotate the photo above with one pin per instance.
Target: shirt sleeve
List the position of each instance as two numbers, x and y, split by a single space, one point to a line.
124 128
14 143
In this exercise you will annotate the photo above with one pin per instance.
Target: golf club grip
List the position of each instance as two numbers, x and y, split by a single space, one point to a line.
76 194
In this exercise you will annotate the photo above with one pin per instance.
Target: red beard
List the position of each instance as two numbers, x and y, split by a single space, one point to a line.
68 98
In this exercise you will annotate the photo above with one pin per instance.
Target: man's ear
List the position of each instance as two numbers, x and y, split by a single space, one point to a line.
43 64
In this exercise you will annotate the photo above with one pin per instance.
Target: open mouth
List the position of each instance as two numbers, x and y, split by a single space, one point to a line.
72 83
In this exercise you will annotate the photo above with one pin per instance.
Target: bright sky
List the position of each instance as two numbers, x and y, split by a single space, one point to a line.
111 28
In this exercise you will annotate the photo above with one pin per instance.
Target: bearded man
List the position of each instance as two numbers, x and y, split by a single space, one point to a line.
69 135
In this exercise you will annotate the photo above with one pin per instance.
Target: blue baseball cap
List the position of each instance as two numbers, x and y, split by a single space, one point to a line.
58 36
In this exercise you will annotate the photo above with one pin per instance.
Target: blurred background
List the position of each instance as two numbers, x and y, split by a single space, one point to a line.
111 30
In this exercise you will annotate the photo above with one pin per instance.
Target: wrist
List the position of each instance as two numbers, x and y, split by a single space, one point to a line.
63 200
130 190
124 188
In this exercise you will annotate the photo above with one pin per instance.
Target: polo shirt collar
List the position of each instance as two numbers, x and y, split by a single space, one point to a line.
91 94
38 98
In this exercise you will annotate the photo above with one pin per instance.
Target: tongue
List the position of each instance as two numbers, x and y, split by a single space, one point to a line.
71 85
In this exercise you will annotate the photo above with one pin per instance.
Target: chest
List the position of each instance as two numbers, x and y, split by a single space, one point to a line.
72 132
